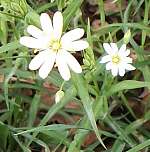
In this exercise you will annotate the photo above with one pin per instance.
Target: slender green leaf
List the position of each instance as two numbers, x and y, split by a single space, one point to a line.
10 46
140 146
70 12
127 84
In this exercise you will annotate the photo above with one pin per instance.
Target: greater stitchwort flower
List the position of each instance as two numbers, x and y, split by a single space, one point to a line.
53 46
117 60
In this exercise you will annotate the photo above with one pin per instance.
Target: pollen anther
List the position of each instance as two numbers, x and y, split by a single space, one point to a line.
116 59
55 45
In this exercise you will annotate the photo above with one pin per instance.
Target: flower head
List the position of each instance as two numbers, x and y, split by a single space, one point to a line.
117 60
54 47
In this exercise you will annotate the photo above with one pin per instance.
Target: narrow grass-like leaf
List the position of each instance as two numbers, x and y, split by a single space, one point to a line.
138 7
19 72
44 7
85 99
32 18
24 148
10 46
116 127
56 136
140 146
108 28
118 146
8 77
33 109
4 132
102 12
145 70
145 21
126 85
128 130
54 127
85 123
134 125
70 12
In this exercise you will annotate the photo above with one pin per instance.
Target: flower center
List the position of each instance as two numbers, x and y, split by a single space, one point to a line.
116 59
55 45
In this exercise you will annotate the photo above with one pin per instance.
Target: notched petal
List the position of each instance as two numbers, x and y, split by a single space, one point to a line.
72 62
58 25
46 23
76 46
105 59
31 42
63 67
72 35
34 31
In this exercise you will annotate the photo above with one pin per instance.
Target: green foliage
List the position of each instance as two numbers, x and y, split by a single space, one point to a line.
113 109
4 133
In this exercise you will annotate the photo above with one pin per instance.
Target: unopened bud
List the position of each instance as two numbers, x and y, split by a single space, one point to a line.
127 37
58 96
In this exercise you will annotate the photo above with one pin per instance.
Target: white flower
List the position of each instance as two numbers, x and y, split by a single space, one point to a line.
53 46
117 60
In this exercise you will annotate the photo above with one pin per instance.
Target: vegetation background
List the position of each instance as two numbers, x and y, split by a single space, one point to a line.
97 109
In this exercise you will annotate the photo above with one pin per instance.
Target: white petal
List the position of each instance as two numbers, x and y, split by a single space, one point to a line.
122 49
62 67
34 31
127 52
114 47
47 65
72 35
121 71
76 46
38 60
46 24
126 59
105 59
129 67
58 25
72 62
31 42
114 70
107 48
124 53
109 66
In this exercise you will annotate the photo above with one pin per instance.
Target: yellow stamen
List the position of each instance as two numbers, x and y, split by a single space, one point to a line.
116 59
55 45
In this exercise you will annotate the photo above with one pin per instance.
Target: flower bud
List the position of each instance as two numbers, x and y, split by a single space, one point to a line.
58 96
127 37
